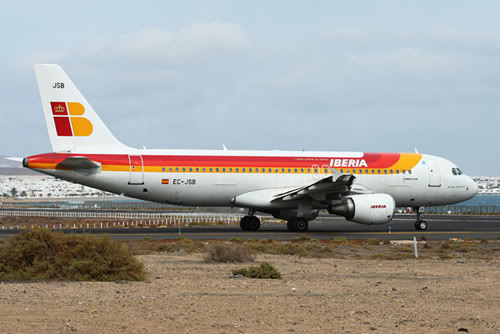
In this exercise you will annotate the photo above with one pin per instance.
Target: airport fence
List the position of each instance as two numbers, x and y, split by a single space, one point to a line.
123 219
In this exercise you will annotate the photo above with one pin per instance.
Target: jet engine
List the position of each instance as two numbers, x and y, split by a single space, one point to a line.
365 209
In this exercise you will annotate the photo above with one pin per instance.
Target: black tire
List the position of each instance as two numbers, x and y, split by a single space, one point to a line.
422 226
297 225
417 226
253 224
245 222
291 225
301 225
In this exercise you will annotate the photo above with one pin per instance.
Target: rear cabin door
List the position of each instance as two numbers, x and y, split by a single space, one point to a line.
136 169
434 175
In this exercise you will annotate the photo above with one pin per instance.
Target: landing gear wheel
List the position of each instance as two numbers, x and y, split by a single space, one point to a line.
245 222
421 225
290 225
297 225
250 223
253 224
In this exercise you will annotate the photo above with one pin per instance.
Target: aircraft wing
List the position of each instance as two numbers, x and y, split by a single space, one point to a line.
323 189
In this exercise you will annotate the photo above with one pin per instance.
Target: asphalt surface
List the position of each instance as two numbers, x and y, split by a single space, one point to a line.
440 227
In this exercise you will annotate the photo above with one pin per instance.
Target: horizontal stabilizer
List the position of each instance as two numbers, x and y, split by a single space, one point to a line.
15 159
80 164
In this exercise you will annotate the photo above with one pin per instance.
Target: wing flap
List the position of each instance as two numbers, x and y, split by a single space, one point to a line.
322 188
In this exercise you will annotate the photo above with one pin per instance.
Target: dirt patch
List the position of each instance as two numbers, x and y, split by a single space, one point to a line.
326 295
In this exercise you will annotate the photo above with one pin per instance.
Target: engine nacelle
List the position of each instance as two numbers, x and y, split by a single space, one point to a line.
366 209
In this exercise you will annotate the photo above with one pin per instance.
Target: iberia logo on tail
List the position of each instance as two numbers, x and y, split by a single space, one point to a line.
68 120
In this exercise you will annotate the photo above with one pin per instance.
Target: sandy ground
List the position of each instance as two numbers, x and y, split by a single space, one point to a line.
186 295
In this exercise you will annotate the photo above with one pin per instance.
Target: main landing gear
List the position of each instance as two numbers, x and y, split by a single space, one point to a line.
297 224
250 222
420 224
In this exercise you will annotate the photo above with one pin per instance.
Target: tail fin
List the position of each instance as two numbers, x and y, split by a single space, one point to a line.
72 123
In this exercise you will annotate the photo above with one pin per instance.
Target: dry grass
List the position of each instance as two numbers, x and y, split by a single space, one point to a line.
41 254
336 248
228 252
264 271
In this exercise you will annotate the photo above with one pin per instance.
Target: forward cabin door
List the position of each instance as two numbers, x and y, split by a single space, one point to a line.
136 169
434 174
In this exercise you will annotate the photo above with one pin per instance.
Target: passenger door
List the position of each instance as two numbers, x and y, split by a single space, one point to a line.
136 169
434 174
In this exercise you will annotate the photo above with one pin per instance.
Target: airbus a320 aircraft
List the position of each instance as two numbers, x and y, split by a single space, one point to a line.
364 188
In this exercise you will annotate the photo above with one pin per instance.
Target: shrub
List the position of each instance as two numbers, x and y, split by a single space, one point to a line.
340 240
304 237
265 270
41 254
228 252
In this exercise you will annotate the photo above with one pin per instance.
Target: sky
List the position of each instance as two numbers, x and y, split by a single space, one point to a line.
371 76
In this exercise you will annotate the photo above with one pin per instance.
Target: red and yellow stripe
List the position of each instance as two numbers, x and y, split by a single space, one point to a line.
235 164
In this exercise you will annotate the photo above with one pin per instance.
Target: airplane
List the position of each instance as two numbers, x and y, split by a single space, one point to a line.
365 188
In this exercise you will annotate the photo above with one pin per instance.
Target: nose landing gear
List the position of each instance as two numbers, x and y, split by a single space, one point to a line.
420 224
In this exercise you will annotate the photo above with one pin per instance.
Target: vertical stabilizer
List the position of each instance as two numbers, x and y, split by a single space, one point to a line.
72 123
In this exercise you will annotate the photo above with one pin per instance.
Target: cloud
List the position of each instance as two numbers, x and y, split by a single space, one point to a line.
152 47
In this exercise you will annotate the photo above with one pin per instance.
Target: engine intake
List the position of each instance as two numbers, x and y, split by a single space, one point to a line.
366 209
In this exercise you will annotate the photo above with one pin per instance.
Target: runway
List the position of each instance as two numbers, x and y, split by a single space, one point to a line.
441 227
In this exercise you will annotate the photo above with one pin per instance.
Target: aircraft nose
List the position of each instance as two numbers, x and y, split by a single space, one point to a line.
472 187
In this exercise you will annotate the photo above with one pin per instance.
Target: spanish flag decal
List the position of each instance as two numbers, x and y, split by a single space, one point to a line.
164 181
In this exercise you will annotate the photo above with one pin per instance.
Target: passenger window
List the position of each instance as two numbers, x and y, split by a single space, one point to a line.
397 171
392 172
224 170
282 170
404 172
379 171
409 172
385 171
204 169
210 169
373 171
170 169
190 169
244 170
249 170
237 170
341 171
309 170
230 170
276 170
360 171
367 171
197 169
289 170
295 170
177 169
163 169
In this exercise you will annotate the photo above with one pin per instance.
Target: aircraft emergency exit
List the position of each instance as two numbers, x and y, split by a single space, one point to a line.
364 188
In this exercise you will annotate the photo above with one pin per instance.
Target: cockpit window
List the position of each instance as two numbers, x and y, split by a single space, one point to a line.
454 171
459 171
